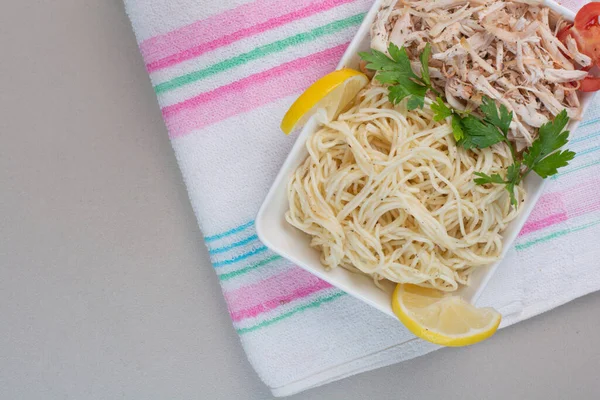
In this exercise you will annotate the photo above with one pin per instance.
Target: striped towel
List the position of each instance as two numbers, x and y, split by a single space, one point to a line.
224 73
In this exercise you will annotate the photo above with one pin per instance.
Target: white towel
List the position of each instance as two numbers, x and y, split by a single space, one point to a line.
224 73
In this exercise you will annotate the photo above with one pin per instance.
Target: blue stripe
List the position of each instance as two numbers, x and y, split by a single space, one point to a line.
578 168
229 232
223 249
584 138
589 122
578 154
587 151
240 257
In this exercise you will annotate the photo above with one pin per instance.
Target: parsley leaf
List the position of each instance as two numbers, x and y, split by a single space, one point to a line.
397 93
481 133
484 178
388 77
478 134
513 178
457 128
397 72
551 138
440 109
543 156
378 61
398 65
400 55
497 117
549 165
405 88
415 102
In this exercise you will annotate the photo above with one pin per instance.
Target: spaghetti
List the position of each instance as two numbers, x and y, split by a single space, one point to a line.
386 192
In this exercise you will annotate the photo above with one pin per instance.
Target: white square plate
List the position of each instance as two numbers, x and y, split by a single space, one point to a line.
289 242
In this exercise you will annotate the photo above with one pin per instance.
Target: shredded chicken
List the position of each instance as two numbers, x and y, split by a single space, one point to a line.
581 58
507 50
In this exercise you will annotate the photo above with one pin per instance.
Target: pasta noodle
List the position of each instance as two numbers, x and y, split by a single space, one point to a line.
386 192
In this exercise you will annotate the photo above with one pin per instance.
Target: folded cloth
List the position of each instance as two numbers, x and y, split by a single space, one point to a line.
224 73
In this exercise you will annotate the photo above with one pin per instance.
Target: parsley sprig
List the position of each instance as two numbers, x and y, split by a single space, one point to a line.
397 72
543 157
470 131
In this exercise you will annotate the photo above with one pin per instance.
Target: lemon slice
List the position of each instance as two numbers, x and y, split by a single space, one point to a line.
443 319
332 93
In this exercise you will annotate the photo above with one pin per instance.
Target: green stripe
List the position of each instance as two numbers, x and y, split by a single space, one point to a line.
555 235
260 52
314 304
250 267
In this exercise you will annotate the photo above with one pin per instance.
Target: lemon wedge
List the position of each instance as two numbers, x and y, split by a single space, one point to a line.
443 319
332 93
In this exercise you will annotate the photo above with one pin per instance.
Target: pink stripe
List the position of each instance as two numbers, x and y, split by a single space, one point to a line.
554 208
543 223
548 205
220 30
249 93
216 26
273 292
584 198
586 206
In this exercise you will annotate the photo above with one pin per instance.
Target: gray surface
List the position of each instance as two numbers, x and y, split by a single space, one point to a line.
105 287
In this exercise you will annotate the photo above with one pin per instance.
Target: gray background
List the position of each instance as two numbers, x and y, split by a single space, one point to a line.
106 291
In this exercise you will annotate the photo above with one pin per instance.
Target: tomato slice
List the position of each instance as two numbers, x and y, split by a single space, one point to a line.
587 16
590 84
564 33
586 31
